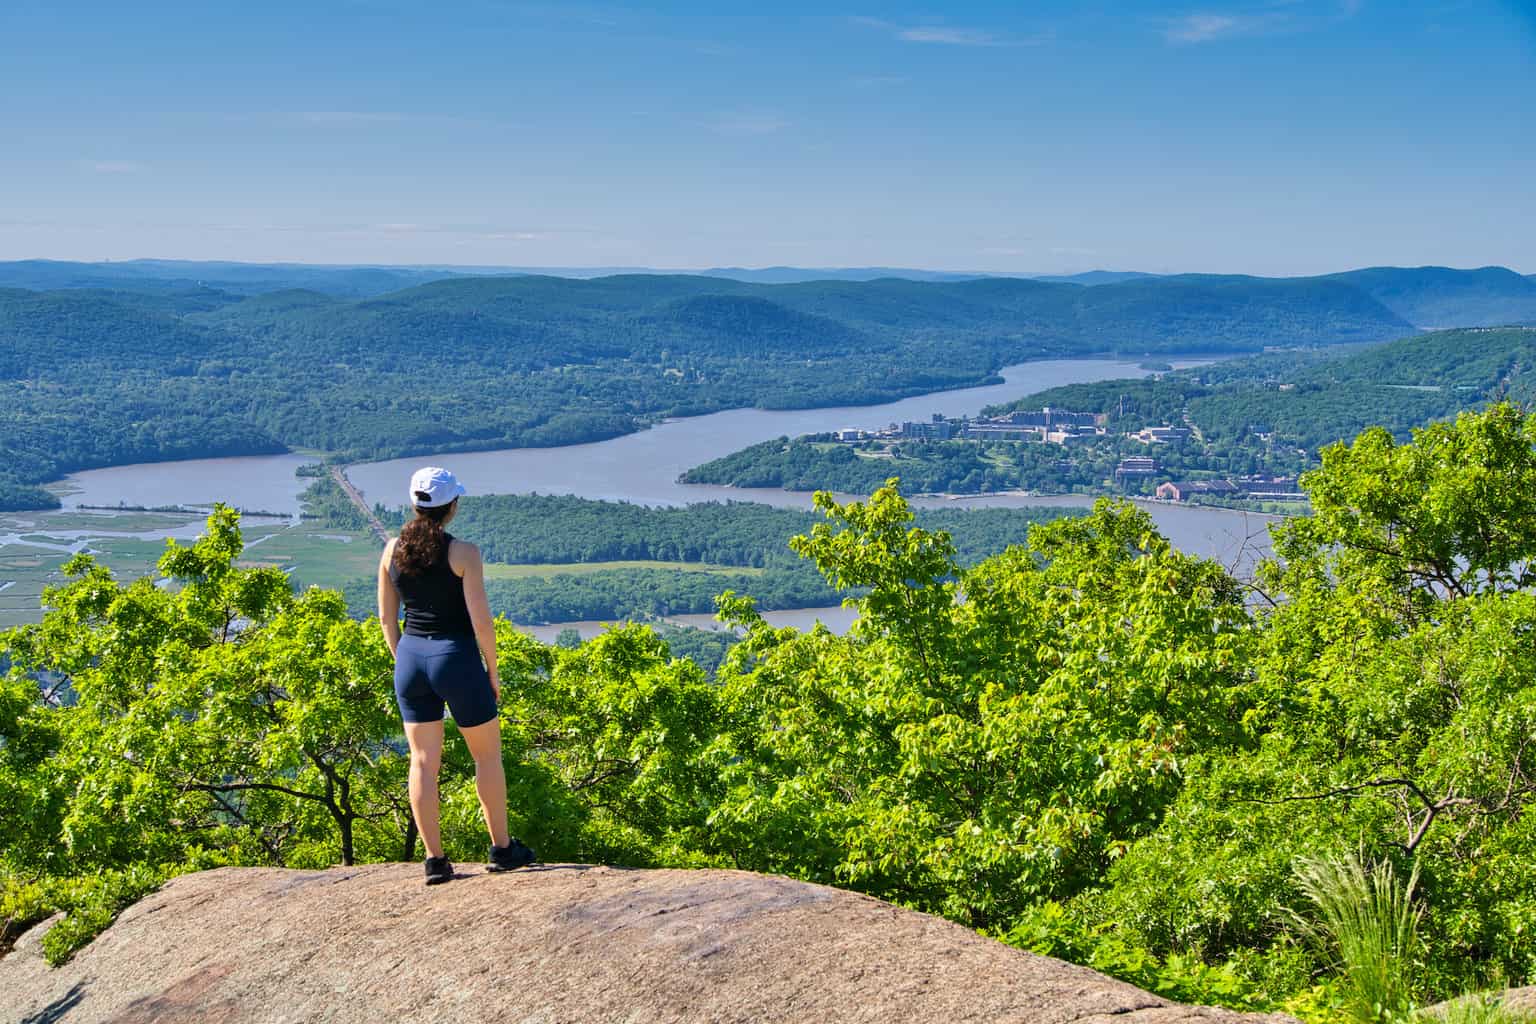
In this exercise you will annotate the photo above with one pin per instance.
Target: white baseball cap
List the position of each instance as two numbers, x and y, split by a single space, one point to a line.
439 486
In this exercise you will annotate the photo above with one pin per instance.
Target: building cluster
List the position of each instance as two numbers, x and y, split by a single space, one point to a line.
1054 426
1160 435
1059 426
1139 468
1252 488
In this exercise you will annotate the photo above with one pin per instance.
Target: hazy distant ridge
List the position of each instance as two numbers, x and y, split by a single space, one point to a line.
1426 297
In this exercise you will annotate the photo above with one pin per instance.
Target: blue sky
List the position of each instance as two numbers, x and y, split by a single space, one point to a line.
1269 137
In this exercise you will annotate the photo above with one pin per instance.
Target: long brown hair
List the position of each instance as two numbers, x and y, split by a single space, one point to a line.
423 540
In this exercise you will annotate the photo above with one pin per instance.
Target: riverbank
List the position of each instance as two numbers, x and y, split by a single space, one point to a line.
638 468
269 481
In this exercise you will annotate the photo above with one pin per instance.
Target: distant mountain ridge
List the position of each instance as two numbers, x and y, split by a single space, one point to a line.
1437 297
1425 297
126 366
1095 277
155 368
234 278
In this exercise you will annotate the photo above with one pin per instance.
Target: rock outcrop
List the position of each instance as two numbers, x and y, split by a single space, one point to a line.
1521 1002
550 944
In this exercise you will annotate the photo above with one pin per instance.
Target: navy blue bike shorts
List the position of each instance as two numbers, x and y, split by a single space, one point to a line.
432 670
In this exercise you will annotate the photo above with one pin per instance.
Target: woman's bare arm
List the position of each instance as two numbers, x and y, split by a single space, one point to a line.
389 601
465 560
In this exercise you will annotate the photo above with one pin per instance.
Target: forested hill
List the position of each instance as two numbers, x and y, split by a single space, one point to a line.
162 367
1423 296
1486 362
1013 318
1312 402
236 279
1441 297
1270 414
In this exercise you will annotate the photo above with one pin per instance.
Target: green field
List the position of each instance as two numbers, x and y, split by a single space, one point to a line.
315 555
32 551
33 546
498 571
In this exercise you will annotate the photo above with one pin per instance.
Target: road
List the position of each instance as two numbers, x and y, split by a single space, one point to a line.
339 474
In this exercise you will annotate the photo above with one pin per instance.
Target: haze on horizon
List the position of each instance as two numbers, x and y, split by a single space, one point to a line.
1275 137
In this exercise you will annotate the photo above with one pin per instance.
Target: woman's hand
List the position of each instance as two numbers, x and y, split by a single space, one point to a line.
465 560
389 601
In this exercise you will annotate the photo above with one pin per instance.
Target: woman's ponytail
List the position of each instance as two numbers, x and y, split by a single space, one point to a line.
423 540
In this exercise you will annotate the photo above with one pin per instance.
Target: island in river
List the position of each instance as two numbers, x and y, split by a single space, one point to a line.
1239 430
640 468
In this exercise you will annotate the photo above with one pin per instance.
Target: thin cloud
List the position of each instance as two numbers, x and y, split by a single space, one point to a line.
947 35
348 116
359 119
1202 28
747 124
1278 16
477 232
116 166
409 229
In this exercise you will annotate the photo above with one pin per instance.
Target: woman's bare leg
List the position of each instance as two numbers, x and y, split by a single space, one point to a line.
426 740
490 778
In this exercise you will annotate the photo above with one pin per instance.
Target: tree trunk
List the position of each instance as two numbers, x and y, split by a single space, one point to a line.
409 852
345 821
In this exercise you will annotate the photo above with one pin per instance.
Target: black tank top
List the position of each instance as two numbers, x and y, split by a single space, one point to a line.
434 600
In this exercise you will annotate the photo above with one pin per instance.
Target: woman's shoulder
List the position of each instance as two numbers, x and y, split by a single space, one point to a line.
462 553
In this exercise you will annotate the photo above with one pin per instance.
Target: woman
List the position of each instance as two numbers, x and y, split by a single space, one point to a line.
442 583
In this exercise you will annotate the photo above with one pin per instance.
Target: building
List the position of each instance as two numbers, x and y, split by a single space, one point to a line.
1160 435
1048 417
1271 488
936 429
1068 434
1002 430
1185 489
1052 425
1135 468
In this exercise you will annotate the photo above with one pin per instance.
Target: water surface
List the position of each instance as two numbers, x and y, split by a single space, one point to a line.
644 467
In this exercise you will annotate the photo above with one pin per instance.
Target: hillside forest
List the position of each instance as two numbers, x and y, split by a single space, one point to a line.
108 365
666 561
1267 415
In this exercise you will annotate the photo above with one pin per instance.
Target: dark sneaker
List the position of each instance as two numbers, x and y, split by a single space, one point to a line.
439 870
514 855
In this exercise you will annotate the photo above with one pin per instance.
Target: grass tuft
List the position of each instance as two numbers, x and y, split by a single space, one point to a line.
1365 920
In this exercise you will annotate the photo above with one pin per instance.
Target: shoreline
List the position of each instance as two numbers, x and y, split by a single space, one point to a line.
349 460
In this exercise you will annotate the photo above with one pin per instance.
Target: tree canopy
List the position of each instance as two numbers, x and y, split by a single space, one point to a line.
1090 744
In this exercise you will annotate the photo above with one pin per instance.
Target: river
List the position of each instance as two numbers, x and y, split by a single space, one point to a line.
643 467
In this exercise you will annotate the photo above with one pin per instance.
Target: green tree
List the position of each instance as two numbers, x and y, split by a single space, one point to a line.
972 757
614 731
1392 708
213 708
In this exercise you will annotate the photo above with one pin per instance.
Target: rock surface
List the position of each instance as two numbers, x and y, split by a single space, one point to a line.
1521 1001
550 944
